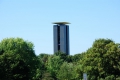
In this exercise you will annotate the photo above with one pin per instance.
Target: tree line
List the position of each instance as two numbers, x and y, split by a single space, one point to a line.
19 62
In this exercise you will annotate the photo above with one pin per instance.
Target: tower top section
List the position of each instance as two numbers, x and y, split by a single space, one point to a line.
61 23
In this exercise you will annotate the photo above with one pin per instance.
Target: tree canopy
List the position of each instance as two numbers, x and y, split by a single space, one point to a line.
19 62
17 58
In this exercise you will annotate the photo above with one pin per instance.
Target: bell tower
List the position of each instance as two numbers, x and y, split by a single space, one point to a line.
61 37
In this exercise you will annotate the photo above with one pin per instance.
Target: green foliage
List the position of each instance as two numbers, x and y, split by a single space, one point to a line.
102 59
53 65
111 77
19 62
77 57
61 55
41 73
66 72
12 67
17 59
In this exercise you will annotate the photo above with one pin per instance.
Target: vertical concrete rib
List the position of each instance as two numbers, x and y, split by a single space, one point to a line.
63 38
55 41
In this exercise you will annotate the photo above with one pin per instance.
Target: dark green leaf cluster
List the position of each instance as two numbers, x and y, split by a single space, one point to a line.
17 59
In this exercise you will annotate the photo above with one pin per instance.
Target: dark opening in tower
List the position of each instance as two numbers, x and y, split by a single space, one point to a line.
66 39
58 38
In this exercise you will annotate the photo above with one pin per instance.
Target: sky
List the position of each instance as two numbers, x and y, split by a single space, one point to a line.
32 21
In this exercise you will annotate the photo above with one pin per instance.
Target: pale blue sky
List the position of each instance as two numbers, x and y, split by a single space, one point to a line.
31 20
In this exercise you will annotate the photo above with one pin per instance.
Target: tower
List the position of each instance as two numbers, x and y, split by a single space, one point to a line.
61 37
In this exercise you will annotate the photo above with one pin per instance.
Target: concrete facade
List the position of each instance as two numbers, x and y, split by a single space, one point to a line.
61 38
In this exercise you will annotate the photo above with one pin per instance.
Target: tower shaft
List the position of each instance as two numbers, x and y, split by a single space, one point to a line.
61 38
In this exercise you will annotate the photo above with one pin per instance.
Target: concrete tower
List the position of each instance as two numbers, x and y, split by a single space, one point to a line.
61 37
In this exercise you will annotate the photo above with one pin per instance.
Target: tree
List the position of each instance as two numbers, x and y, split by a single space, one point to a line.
67 72
53 65
12 67
102 60
42 73
78 57
61 55
17 59
64 56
